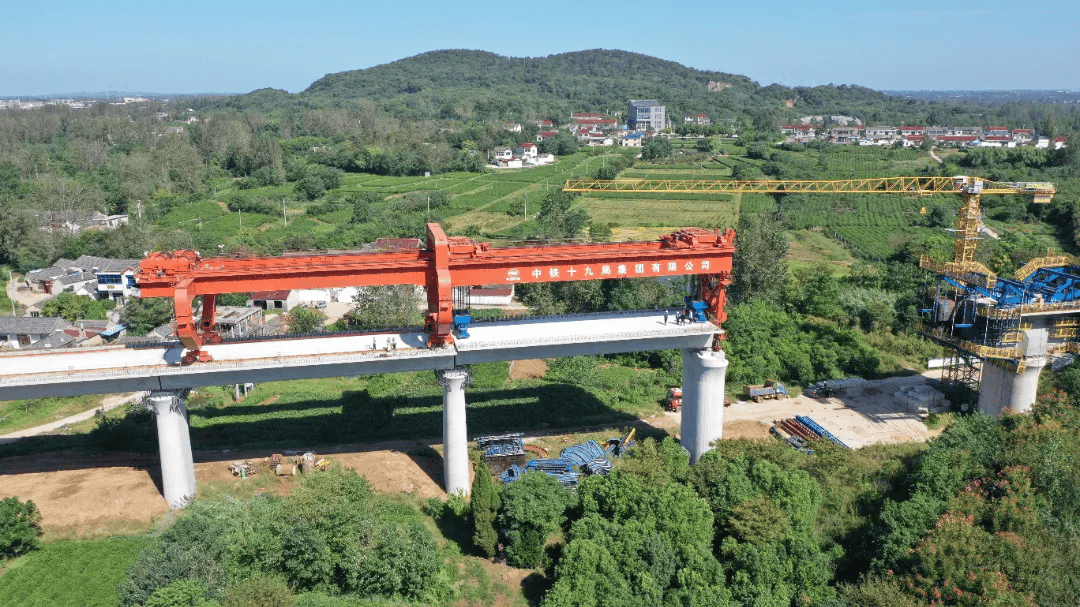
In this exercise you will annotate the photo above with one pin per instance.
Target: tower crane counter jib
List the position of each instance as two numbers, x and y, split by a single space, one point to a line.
444 264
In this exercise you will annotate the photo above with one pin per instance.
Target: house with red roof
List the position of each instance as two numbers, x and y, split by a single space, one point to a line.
912 130
997 141
1023 135
526 151
957 140
542 135
911 141
1059 142
544 124
284 300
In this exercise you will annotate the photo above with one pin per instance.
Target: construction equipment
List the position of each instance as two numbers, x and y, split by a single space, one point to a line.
963 267
446 264
770 389
673 402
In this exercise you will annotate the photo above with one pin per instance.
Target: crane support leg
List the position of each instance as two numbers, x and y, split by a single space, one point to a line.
440 290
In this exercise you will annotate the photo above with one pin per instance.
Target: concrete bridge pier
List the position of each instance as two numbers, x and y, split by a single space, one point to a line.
455 432
174 445
1003 388
704 374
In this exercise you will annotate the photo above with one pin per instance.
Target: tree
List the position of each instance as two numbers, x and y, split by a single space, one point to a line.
72 307
760 261
485 511
20 526
391 306
656 147
143 315
306 320
556 217
533 507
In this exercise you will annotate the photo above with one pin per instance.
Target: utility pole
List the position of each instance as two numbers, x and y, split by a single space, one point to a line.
10 282
138 205
241 216
526 205
283 215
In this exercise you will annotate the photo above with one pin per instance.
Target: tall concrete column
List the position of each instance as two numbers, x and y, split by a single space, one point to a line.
174 446
455 432
1004 388
704 374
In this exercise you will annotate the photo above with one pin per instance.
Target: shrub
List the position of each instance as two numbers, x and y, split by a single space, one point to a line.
20 526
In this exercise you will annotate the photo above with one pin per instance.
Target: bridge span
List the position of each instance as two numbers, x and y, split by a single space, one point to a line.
159 370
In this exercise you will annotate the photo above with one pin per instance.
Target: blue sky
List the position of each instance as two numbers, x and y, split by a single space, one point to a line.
239 46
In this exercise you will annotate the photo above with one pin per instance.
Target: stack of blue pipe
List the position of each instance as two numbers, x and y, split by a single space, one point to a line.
822 432
560 466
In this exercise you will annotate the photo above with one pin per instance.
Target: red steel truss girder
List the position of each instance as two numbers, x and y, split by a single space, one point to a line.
445 264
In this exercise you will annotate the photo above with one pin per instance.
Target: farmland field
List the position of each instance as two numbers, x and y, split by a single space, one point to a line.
658 211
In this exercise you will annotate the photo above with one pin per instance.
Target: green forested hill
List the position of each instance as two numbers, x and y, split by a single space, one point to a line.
479 85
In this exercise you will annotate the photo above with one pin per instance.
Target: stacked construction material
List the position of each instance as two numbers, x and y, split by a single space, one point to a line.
920 399
817 429
590 456
502 445
501 451
560 466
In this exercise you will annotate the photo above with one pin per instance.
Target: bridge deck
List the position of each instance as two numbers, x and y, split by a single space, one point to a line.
117 369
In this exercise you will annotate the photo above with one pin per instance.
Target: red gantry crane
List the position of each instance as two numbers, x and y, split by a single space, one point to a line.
446 263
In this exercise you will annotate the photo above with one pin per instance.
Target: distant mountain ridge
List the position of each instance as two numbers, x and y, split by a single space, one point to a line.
473 85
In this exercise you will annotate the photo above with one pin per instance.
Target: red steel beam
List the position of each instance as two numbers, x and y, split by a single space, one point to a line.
445 263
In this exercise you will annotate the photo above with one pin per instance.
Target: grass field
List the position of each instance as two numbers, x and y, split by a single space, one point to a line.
21 414
75 574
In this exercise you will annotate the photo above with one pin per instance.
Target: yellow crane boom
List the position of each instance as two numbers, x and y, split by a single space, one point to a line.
963 267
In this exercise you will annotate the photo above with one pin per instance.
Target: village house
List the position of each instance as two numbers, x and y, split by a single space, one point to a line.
17 332
881 133
1023 135
911 130
542 135
938 131
997 141
526 151
283 300
1059 142
237 321
631 140
913 141
844 134
799 132
502 153
997 131
957 140
544 124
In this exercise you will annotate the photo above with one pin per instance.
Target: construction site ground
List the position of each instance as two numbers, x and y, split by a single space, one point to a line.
84 495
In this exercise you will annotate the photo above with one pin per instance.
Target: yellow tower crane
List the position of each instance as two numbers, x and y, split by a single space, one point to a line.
963 267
